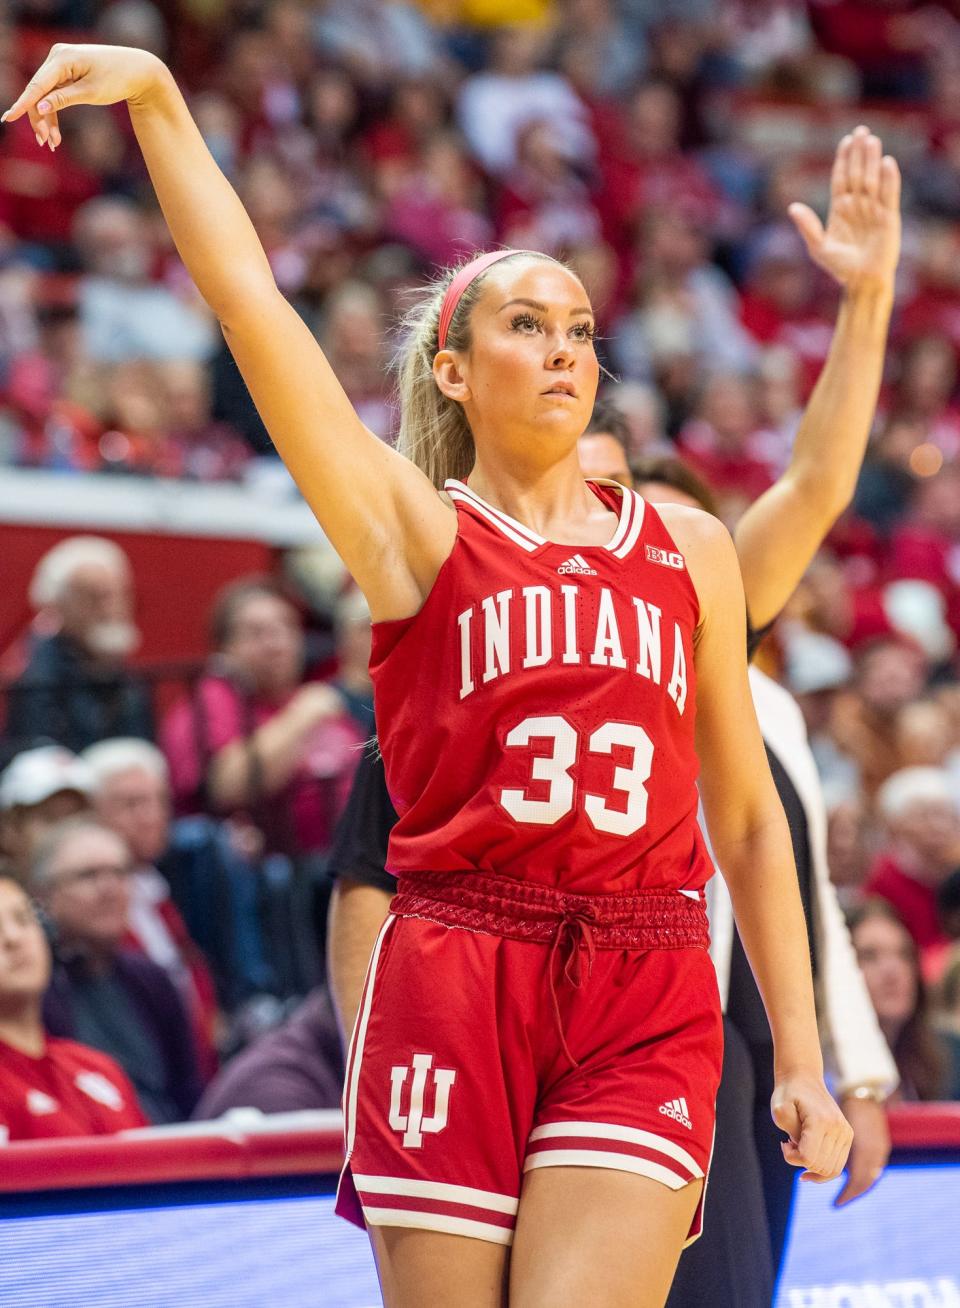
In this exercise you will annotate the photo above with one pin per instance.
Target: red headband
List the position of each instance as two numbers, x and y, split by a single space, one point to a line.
468 273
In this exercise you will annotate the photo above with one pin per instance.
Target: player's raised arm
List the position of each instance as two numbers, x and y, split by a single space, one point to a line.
381 513
779 534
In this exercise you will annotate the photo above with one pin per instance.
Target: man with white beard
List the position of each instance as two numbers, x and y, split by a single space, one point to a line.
76 688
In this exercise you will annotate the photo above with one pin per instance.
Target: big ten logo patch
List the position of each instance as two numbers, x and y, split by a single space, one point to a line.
415 1121
666 558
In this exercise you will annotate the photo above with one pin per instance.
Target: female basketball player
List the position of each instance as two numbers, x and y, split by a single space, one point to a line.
537 1054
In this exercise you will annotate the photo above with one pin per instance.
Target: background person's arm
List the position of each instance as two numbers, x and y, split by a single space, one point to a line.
263 762
781 531
363 888
356 914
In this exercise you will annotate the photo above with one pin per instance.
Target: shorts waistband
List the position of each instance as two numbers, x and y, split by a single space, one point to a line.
522 910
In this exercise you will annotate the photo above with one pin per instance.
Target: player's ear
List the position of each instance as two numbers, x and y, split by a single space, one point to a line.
449 376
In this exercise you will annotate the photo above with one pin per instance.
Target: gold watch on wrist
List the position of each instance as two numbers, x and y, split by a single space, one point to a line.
875 1094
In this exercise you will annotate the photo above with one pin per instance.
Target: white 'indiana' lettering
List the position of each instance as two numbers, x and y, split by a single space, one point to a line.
466 680
539 629
607 650
648 637
485 631
677 690
571 653
496 635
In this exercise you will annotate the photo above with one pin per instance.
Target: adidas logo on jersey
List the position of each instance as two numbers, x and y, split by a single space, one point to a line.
677 1109
578 565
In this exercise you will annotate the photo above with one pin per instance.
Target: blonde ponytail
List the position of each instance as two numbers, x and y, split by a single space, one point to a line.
434 432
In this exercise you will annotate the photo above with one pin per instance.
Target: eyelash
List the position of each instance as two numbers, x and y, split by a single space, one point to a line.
528 320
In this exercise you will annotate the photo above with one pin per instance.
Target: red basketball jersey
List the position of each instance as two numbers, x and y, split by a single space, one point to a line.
536 716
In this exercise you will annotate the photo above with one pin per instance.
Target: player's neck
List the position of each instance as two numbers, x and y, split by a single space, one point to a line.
546 500
21 1027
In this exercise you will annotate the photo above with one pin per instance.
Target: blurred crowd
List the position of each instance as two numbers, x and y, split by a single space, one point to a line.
178 857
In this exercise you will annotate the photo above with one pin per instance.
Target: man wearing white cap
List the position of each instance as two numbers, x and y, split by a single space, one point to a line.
39 788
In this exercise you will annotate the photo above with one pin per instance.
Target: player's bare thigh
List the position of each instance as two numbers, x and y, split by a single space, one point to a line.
620 1250
421 1268
590 1235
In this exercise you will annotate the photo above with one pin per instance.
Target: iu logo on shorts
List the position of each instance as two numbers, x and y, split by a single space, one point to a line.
414 1123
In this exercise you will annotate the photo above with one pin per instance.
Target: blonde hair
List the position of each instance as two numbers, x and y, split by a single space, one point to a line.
434 431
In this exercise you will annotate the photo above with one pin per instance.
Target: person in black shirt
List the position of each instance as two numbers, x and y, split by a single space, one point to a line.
76 689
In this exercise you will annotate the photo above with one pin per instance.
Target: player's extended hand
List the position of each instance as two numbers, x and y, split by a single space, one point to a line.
870 1150
82 74
819 1134
860 244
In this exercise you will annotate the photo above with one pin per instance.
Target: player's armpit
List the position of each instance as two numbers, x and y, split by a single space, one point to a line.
383 516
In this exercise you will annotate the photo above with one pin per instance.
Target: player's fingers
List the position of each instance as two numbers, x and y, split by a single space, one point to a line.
829 1157
856 163
808 225
787 1116
815 1148
42 83
45 127
889 183
38 125
839 181
873 152
791 1154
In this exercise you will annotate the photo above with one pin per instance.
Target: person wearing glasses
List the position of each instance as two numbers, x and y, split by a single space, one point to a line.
101 994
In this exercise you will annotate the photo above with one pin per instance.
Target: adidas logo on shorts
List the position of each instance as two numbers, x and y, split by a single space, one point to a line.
577 564
677 1109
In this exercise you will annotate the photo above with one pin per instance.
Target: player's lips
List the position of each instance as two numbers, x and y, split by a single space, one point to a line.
562 388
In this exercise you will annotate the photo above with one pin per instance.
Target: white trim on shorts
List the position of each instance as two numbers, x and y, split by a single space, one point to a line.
427 1221
425 1199
682 1164
595 1144
351 1085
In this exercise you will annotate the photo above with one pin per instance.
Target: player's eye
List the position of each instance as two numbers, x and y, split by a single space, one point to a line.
525 321
584 331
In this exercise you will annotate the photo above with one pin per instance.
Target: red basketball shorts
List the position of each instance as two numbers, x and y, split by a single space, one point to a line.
506 1026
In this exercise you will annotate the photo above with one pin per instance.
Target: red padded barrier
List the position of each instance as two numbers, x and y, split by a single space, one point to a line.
117 1160
236 1154
925 1126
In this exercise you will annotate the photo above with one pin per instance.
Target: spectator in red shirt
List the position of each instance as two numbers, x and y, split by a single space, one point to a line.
718 441
544 202
926 545
924 393
435 203
922 849
647 170
884 39
43 191
934 306
48 1087
783 301
254 739
891 672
